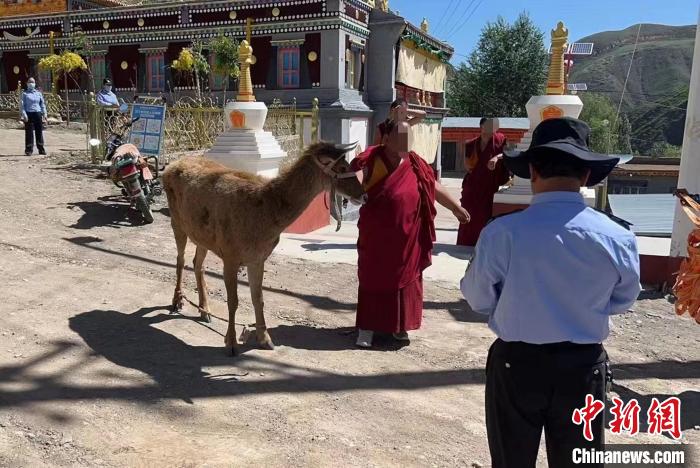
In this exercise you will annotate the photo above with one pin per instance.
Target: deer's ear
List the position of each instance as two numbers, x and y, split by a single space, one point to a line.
346 148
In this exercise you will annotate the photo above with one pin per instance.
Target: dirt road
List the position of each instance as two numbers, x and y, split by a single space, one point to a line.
95 371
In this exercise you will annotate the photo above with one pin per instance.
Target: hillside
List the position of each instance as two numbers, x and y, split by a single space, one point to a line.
657 90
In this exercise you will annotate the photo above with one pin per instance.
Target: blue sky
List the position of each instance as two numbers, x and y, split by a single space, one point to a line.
461 26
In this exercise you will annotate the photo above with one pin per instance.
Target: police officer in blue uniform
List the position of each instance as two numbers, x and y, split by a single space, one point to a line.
549 278
32 109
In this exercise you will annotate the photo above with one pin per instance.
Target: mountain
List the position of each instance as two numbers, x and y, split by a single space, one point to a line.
657 90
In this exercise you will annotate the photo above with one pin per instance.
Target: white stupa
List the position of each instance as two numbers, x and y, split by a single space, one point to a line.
244 145
556 103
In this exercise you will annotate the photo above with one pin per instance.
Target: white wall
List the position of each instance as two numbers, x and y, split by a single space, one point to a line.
359 133
689 177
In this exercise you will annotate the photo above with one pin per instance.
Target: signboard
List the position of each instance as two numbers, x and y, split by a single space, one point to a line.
147 132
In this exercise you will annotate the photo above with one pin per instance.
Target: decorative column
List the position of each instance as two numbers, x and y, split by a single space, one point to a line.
689 175
556 78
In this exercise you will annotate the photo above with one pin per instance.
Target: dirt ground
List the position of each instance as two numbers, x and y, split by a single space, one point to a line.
95 371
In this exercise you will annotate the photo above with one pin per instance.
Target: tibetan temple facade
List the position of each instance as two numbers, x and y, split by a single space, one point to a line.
354 56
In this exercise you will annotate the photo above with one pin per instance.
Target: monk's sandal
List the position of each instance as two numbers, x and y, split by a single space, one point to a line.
401 336
364 338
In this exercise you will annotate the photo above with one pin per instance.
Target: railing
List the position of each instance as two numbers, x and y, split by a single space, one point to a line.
56 105
194 125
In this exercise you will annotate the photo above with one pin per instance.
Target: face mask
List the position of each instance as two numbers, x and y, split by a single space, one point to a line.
31 85
108 89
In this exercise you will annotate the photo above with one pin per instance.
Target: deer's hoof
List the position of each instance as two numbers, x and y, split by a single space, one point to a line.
233 350
204 316
265 342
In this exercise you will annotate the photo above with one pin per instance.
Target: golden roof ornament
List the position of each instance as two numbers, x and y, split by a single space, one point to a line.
424 26
384 5
245 57
556 78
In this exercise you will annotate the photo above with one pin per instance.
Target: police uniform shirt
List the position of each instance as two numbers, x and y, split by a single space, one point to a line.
554 272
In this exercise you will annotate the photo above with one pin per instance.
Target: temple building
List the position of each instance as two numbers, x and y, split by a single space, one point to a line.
355 56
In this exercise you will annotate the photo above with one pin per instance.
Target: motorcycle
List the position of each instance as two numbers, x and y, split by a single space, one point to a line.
130 171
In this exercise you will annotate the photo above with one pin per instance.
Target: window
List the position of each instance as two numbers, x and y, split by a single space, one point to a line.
155 66
633 187
97 64
353 68
217 81
288 76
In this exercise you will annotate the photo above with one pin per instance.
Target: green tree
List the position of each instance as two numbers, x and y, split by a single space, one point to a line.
192 60
662 149
507 68
225 63
609 133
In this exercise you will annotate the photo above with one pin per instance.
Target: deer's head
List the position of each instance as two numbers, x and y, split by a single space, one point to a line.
331 160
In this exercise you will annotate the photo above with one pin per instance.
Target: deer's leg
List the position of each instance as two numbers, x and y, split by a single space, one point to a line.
181 241
255 275
201 283
231 281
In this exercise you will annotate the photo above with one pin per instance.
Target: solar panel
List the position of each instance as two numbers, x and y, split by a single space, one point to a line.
577 87
580 48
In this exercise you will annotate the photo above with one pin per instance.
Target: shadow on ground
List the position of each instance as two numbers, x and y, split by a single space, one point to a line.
177 370
108 211
455 251
458 309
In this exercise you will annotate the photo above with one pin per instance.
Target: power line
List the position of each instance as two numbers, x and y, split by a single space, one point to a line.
466 20
459 19
444 14
629 70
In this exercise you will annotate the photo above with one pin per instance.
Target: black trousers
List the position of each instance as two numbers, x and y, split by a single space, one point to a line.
534 387
34 126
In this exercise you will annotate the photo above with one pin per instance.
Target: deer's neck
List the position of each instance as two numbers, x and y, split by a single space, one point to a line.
292 192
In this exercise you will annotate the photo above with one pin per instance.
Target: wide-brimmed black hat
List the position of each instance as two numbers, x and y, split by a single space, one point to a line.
563 135
107 82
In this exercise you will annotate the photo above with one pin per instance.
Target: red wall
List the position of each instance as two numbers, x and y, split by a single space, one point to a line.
118 54
9 61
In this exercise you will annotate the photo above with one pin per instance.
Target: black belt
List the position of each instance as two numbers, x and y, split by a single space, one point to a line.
564 354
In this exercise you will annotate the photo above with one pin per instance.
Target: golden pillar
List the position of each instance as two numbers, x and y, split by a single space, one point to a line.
556 79
245 57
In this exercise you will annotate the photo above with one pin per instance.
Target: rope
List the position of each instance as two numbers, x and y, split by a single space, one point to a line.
624 86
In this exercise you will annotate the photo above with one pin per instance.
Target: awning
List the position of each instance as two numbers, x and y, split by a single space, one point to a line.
650 214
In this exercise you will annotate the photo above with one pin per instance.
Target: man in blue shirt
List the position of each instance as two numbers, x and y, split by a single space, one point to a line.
549 278
105 97
32 109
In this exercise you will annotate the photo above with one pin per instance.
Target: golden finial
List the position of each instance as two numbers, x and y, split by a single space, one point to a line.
245 57
424 26
384 5
557 77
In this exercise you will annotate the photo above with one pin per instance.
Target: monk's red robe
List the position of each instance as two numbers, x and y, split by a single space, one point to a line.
480 185
395 243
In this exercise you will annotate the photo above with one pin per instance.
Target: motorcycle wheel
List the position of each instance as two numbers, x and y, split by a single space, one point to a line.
145 209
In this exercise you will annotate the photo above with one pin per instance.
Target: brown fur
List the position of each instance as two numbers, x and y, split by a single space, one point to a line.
239 217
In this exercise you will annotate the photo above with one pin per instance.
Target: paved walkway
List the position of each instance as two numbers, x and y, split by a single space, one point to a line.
328 246
56 141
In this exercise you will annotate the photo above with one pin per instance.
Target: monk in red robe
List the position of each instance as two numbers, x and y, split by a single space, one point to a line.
486 174
396 236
